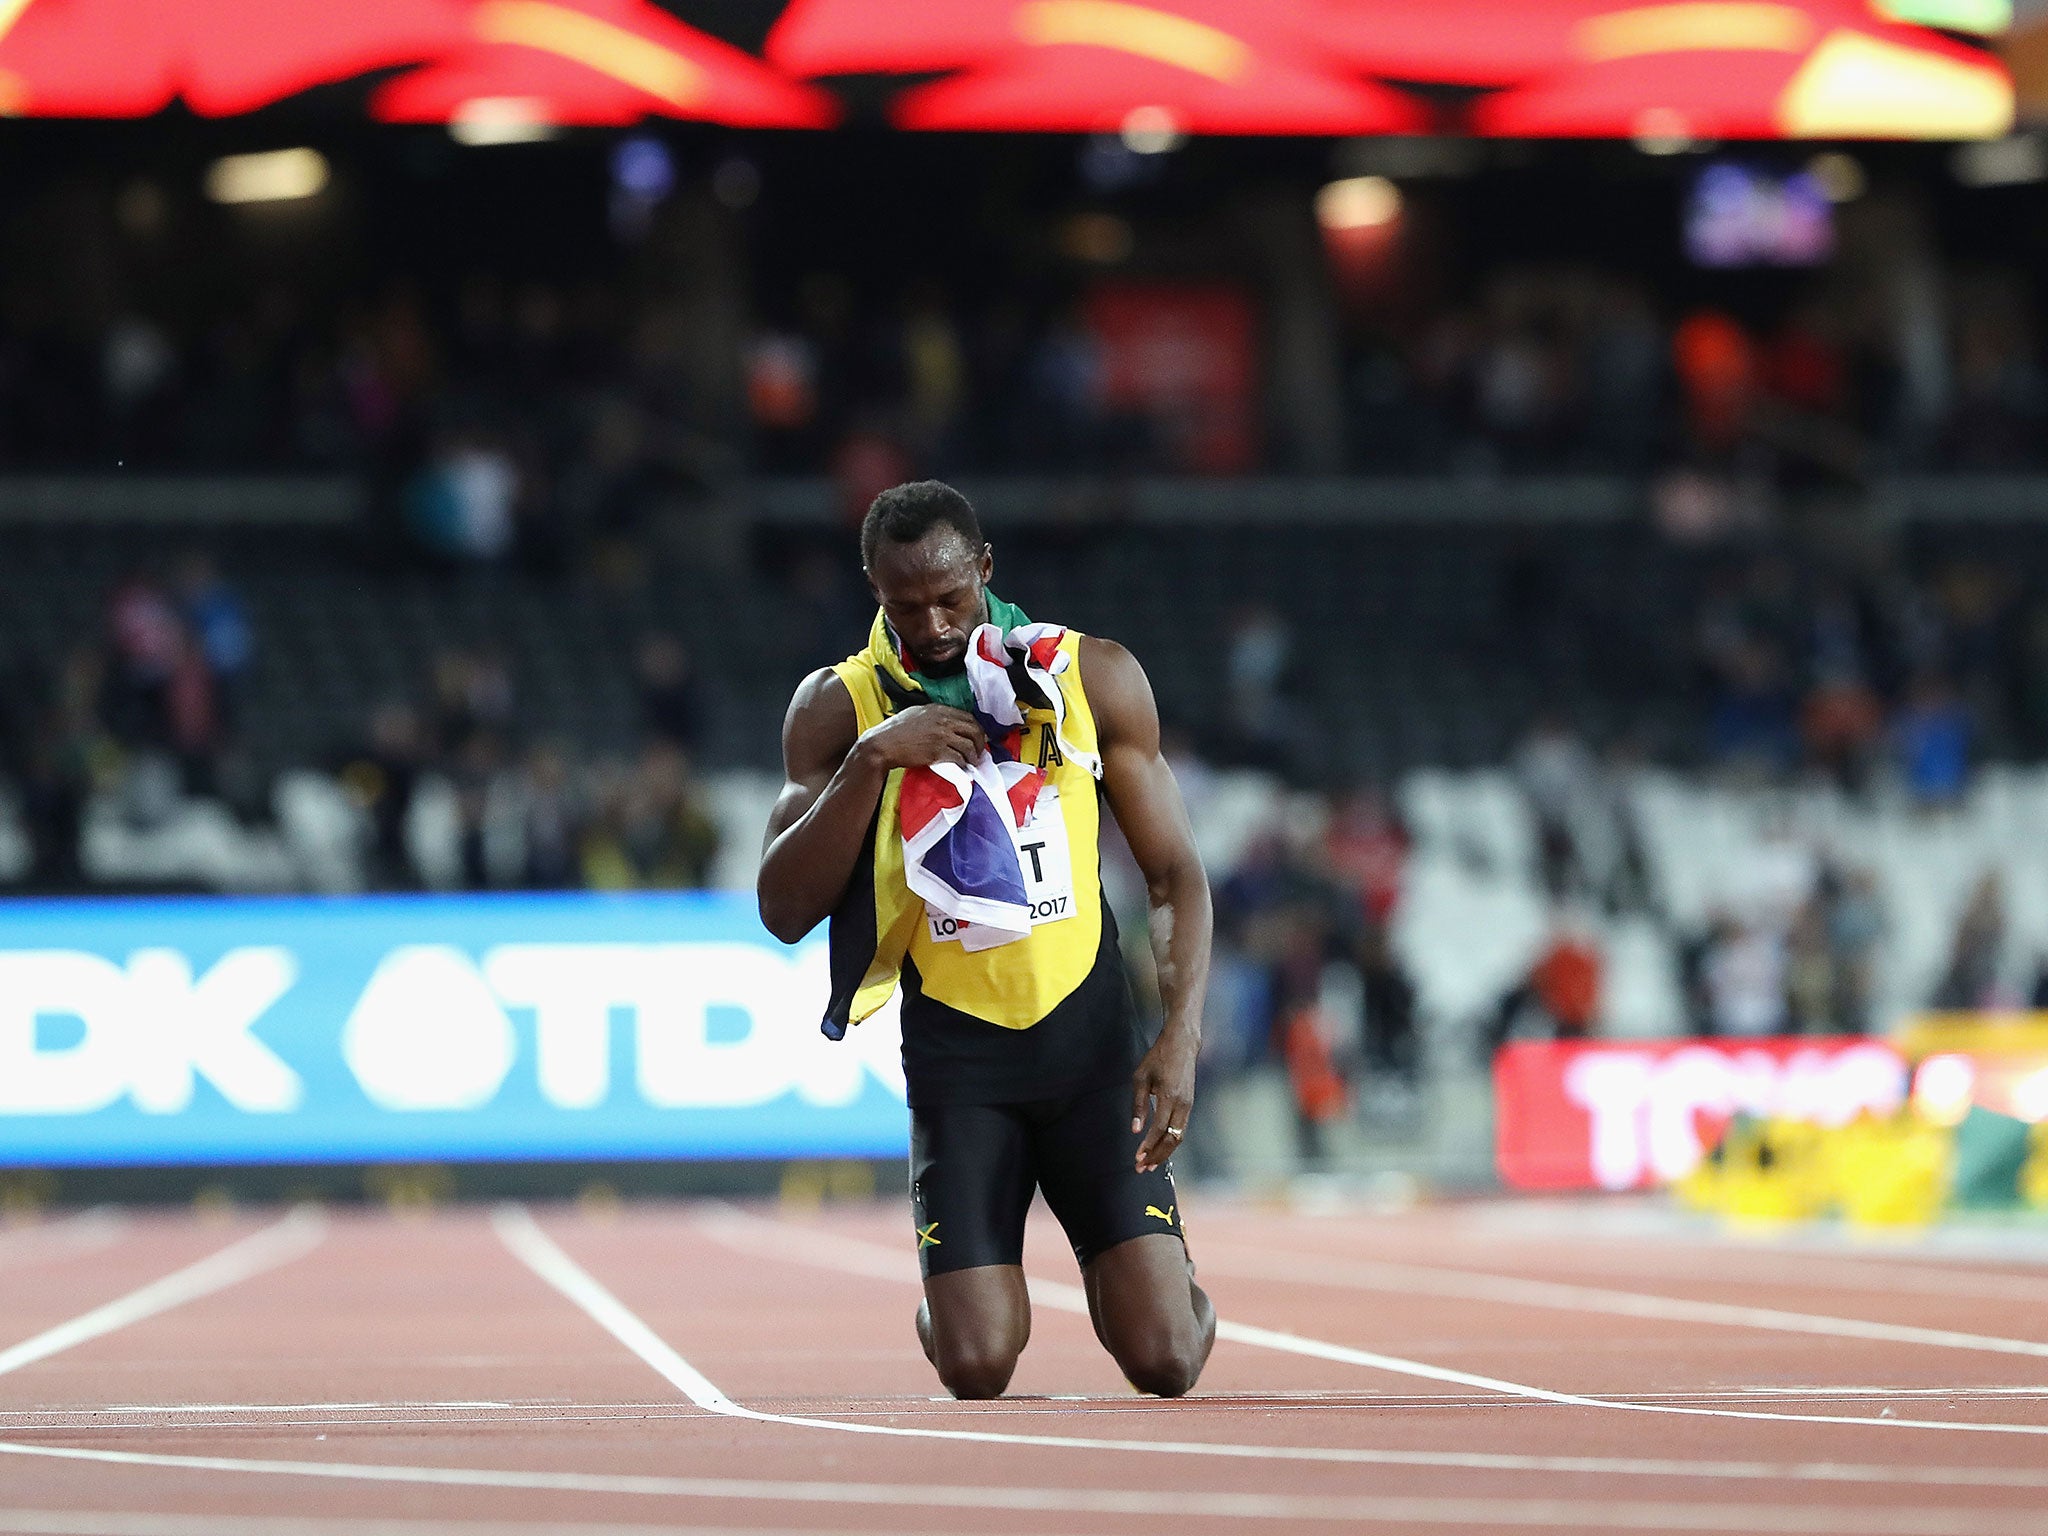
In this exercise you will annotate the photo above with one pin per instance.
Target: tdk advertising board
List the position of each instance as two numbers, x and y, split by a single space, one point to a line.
449 1027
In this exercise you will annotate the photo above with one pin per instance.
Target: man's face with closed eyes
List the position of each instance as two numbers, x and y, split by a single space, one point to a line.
934 592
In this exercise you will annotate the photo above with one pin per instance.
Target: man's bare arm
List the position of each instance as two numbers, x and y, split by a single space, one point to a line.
833 775
1148 807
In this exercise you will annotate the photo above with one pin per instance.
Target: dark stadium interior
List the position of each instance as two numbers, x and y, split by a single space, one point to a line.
492 500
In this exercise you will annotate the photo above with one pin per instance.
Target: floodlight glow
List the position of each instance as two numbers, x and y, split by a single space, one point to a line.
277 176
1661 131
1152 131
1989 17
1358 202
501 120
1943 1088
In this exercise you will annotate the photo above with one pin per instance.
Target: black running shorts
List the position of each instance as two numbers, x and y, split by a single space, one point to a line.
973 1168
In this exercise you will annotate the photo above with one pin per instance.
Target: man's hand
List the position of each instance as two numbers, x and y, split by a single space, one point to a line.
1164 1084
923 735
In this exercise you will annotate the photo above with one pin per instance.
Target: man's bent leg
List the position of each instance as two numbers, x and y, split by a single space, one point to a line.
1126 1230
1150 1314
974 1324
970 1186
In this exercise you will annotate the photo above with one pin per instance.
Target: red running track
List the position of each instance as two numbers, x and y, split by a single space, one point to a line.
1497 1366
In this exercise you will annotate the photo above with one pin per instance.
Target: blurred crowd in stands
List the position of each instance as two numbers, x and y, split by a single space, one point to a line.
1310 981
543 422
535 814
515 413
157 692
1856 673
148 713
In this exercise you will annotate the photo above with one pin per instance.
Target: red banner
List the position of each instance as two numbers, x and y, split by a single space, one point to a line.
1695 69
1631 1116
1184 356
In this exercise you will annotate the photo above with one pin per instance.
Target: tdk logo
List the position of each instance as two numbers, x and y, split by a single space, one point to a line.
148 1031
711 1025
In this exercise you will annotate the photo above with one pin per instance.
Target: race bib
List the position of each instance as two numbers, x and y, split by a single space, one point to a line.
1043 857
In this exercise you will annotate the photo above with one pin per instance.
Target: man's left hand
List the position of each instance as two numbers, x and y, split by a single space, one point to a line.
1164 1084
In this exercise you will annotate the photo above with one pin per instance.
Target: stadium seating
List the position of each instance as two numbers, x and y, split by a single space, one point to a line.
1419 654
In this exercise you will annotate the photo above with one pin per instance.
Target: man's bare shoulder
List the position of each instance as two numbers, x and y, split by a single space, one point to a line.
821 721
1106 663
1119 693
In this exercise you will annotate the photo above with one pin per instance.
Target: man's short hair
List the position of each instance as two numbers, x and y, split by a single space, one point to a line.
903 514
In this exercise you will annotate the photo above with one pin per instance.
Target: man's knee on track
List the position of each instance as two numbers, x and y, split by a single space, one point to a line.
975 1370
1161 1365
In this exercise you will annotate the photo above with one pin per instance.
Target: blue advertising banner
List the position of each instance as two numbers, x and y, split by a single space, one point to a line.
344 1029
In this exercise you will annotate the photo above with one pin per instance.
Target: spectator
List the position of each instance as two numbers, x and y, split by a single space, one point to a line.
551 821
1975 979
1842 721
148 642
472 692
652 831
477 771
217 618
1392 1047
671 698
1559 996
1810 980
1855 922
192 716
1751 729
1716 364
1932 737
1260 728
57 753
1365 848
463 505
1743 973
382 778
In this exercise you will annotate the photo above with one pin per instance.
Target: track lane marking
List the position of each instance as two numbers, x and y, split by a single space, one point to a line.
1298 1268
296 1234
1609 1218
535 1248
855 1256
513 1222
1568 1514
380 1407
63 1522
1796 1266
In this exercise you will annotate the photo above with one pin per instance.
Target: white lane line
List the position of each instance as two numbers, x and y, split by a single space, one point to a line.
1570 1514
534 1247
65 1522
84 1231
1298 1268
524 1236
276 1244
1653 1219
394 1407
1797 1267
146 1415
831 1251
539 1253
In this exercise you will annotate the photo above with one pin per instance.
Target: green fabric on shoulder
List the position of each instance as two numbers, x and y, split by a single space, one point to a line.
956 690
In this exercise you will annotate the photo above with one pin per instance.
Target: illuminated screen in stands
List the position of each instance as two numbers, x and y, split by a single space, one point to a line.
1699 69
293 1030
1740 216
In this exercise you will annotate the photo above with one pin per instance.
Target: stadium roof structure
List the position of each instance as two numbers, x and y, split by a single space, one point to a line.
133 58
599 62
1520 68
